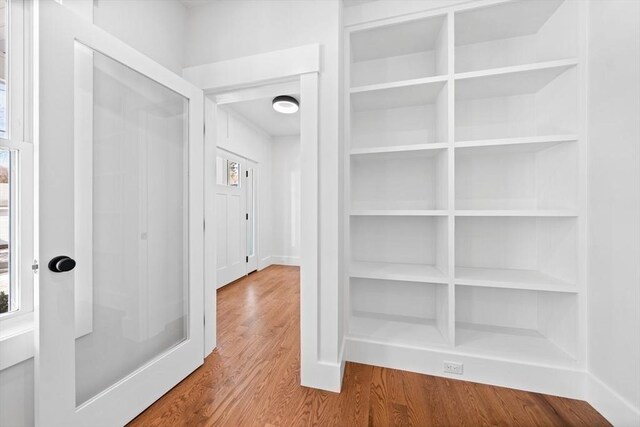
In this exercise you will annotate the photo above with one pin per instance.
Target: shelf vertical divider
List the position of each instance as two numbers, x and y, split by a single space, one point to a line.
583 38
451 300
346 137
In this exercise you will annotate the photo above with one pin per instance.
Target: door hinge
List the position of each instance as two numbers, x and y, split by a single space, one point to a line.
247 260
247 217
247 173
35 266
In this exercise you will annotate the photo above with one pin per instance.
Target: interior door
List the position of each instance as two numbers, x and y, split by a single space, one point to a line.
120 190
231 217
251 177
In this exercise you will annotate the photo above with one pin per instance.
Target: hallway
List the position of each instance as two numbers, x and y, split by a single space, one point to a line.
252 379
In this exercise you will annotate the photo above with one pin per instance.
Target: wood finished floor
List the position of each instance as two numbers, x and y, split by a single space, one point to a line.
253 377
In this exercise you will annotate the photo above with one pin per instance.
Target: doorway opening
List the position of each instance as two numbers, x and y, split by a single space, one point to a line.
258 188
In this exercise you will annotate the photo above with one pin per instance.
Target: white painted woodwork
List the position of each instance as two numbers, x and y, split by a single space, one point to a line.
399 51
521 102
388 180
536 176
231 231
406 114
515 33
251 180
148 368
403 313
465 179
530 326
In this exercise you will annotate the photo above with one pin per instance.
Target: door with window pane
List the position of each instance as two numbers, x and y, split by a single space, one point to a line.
120 227
231 217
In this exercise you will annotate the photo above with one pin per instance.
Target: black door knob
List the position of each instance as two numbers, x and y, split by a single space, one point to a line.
62 263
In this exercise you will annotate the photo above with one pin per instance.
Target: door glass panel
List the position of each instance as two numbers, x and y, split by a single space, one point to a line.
251 224
233 173
131 215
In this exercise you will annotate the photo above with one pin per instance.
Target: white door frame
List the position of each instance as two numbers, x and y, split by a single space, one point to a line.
299 65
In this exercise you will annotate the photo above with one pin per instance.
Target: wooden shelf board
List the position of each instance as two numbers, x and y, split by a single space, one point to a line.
508 81
397 271
397 94
518 212
399 149
521 345
398 212
516 141
391 330
399 84
511 279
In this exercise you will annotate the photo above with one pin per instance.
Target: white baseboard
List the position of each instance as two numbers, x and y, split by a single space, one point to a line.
323 376
521 376
264 263
610 404
285 260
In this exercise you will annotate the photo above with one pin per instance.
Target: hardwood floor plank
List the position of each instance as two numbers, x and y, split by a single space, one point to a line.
253 379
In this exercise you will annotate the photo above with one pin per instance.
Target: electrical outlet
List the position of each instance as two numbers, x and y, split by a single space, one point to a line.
453 367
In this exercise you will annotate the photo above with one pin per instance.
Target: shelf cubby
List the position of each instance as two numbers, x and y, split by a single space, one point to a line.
397 271
515 33
536 177
517 252
522 325
400 313
399 181
399 115
400 51
521 102
400 246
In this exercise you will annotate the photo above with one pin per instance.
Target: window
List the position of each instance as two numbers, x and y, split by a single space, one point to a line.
8 301
228 172
233 169
16 171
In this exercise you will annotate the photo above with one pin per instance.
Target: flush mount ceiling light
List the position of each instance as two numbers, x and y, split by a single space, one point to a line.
285 104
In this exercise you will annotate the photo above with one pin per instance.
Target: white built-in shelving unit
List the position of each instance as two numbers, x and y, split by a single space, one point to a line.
465 177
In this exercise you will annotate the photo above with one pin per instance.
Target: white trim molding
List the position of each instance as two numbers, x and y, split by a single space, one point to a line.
300 64
285 260
610 404
248 70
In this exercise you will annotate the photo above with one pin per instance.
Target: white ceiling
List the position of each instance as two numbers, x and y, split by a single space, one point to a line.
193 3
261 113
349 3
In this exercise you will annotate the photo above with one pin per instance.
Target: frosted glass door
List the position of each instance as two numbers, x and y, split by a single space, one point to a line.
120 192
133 269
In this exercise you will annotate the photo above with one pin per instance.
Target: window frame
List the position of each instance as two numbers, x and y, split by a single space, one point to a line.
23 172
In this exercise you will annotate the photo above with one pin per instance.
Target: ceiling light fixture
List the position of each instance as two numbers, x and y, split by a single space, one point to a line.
285 104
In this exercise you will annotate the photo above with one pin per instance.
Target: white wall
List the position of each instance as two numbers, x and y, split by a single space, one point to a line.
155 28
286 200
239 136
158 32
227 29
614 198
16 395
